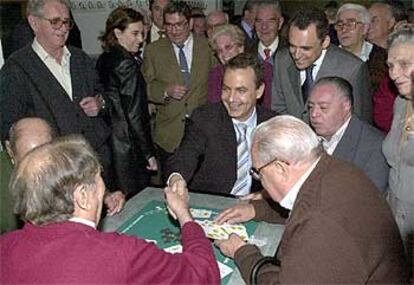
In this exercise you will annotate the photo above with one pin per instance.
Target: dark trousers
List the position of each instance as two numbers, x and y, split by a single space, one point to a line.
163 158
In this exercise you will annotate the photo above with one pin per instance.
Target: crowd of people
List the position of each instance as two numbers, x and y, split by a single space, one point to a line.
308 119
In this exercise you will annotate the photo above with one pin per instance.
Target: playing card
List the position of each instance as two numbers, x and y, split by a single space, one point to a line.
174 249
200 213
224 269
220 232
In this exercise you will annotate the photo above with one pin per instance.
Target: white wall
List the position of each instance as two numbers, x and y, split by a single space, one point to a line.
90 16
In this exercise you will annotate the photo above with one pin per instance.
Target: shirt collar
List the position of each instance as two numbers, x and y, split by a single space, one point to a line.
319 61
187 42
273 46
289 200
247 27
83 221
42 53
330 145
365 51
250 122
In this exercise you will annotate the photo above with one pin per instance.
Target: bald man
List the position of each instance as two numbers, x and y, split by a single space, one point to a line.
25 135
29 133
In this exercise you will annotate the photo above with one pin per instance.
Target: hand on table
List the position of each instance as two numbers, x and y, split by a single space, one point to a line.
229 246
177 201
236 214
114 202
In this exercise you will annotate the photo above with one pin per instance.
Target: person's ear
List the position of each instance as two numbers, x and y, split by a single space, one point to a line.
117 33
281 21
81 198
326 42
32 20
10 152
191 24
260 91
283 169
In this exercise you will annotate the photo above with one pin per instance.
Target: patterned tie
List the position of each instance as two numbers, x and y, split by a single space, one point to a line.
308 84
184 65
268 53
243 162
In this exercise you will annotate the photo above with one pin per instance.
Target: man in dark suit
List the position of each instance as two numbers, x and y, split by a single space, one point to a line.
157 14
50 80
210 154
310 57
344 135
176 71
268 22
339 230
246 24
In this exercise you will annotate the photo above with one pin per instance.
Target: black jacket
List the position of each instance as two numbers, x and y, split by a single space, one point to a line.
128 117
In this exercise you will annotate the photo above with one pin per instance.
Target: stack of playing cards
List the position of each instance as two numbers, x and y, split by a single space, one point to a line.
223 231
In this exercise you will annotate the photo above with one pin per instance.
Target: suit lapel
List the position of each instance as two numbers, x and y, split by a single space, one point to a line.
294 78
170 59
347 146
228 137
328 64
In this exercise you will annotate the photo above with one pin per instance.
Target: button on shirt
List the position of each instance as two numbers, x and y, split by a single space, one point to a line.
330 146
251 123
188 51
289 200
273 46
60 71
315 70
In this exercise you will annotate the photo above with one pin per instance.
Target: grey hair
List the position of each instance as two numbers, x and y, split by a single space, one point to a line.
404 34
226 16
44 181
288 139
364 15
35 7
234 32
273 4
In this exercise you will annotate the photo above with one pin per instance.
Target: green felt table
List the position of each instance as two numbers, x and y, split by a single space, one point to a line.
270 233
154 223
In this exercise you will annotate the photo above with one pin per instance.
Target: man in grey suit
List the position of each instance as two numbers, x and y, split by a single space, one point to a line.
53 81
310 56
343 134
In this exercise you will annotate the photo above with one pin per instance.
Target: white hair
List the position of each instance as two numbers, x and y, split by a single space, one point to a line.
364 15
286 138
403 34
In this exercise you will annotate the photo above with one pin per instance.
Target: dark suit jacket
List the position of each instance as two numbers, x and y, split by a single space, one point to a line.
207 156
287 94
361 144
377 66
28 89
340 231
160 68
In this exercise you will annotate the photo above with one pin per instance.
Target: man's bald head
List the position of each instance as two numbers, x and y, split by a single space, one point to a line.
25 135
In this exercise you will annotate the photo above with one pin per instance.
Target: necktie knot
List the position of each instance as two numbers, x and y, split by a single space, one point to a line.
308 72
267 52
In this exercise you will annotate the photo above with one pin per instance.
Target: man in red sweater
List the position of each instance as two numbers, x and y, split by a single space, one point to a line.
58 192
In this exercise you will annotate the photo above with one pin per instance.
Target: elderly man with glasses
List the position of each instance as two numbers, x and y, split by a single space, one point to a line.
53 81
338 230
352 24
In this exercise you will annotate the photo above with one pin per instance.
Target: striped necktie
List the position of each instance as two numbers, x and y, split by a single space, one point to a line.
184 65
243 162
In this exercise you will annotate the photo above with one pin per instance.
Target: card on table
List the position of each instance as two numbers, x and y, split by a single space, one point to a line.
200 213
220 232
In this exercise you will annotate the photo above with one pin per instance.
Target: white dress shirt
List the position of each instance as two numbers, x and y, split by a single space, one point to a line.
289 200
317 65
61 71
330 146
83 221
188 51
273 46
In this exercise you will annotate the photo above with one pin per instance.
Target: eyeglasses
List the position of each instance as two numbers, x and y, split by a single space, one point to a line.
57 23
349 25
177 26
255 172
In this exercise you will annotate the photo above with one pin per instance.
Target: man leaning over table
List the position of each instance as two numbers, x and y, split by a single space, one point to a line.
214 155
339 229
58 192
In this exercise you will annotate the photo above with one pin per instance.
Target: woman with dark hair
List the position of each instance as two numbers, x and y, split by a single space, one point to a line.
119 70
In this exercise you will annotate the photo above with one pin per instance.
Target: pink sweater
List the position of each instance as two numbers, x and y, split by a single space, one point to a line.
70 252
